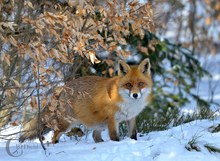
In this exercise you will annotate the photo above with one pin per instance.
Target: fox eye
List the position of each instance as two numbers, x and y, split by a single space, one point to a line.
128 85
141 84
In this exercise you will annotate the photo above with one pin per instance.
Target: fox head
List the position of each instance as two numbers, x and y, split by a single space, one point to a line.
135 81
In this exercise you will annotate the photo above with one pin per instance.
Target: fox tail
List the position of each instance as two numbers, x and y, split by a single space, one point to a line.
33 129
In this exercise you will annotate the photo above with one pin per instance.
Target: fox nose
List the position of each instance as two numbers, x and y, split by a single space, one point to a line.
135 95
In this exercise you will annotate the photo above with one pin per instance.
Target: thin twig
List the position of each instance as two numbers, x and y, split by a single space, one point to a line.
39 108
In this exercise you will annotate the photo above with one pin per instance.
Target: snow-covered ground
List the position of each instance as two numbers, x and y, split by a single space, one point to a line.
183 143
169 145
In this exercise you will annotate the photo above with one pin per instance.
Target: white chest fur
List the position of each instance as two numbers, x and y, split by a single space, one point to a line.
131 107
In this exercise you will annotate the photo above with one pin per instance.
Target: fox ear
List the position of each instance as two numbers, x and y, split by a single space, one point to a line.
144 66
123 68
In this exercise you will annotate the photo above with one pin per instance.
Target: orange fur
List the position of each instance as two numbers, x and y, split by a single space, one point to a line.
98 103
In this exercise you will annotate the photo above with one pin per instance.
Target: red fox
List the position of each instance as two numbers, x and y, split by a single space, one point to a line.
96 102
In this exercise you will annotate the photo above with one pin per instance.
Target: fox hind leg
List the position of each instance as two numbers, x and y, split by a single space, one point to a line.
62 128
56 136
97 137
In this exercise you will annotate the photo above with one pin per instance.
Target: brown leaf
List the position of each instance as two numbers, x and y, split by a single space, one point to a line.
39 32
133 3
14 123
44 102
13 41
58 91
208 21
52 107
16 83
29 4
122 41
6 58
60 74
93 57
8 24
111 72
109 62
33 102
48 71
45 83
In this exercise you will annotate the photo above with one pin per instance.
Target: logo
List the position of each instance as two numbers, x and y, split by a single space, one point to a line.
16 150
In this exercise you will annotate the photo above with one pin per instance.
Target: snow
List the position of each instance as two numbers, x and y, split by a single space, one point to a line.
169 145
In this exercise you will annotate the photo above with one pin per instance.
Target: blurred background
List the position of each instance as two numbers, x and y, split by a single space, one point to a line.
192 23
